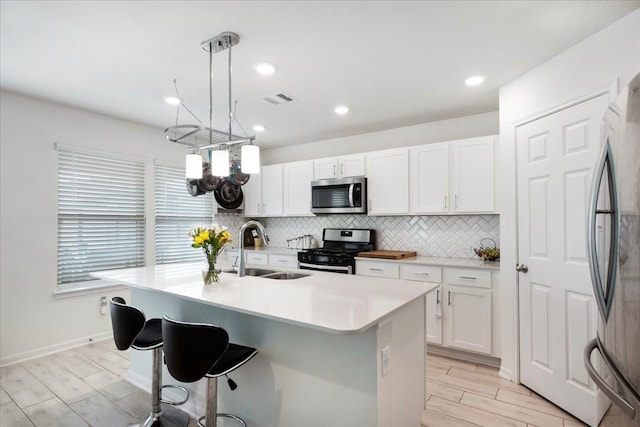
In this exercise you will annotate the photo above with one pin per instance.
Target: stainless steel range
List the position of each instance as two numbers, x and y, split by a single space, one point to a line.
339 248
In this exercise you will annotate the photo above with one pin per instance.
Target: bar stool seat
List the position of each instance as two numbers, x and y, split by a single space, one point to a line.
132 330
197 350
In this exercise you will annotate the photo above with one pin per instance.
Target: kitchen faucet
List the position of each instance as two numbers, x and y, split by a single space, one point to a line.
265 237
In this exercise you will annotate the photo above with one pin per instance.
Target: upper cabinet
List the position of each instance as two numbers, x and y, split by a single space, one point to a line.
263 194
297 188
473 175
456 177
339 167
388 182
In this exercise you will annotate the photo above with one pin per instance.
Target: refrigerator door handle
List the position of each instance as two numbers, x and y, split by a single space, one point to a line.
620 401
604 297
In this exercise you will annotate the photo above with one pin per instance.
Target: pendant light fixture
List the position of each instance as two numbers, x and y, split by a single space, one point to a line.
198 137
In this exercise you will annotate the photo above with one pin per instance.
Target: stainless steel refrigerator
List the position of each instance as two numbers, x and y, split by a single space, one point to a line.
613 357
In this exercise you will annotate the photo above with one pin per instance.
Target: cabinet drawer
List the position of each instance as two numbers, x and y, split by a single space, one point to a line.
257 258
421 273
389 270
286 261
465 277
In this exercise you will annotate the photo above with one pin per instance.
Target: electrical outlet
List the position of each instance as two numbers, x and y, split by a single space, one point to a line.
103 305
385 358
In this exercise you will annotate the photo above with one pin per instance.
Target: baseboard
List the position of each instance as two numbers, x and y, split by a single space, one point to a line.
505 373
464 355
44 351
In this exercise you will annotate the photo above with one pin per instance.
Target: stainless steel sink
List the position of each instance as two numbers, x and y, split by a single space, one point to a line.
253 271
285 275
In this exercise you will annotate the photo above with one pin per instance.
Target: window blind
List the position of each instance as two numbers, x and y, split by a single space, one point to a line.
101 218
177 212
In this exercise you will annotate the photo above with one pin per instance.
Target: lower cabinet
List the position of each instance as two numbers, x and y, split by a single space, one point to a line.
458 313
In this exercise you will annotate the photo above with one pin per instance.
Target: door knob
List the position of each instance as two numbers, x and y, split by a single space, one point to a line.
522 268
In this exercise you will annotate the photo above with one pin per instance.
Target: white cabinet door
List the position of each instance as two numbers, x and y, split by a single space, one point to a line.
272 190
297 188
433 316
252 193
430 178
325 168
473 175
467 318
339 167
350 166
388 182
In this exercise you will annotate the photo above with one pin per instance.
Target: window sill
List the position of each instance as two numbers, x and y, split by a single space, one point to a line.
85 288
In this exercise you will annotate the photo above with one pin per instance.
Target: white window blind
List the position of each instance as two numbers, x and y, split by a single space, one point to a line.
176 212
101 220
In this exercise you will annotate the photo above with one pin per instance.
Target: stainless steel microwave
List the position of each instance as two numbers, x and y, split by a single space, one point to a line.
339 196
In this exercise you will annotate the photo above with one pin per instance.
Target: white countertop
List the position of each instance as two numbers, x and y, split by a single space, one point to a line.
331 302
442 261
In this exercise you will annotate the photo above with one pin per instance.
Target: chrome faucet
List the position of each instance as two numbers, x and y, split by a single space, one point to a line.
246 225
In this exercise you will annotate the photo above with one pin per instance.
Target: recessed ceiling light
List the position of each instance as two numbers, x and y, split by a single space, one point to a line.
265 68
259 128
475 80
341 109
172 100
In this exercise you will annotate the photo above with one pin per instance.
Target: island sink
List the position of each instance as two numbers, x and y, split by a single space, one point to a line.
270 274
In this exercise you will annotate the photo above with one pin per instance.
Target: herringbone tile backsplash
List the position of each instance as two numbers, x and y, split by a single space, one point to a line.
439 236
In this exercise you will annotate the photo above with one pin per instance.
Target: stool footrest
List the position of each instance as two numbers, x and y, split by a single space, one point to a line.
167 418
175 402
233 417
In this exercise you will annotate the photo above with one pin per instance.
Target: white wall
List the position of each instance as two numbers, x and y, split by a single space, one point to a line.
596 62
443 130
32 321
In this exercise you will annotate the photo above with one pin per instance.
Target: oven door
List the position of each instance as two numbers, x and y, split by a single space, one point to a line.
344 269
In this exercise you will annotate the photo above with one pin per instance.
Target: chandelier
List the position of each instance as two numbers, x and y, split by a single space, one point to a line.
214 143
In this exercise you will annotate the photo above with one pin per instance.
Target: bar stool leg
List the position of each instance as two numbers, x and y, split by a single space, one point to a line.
211 415
157 418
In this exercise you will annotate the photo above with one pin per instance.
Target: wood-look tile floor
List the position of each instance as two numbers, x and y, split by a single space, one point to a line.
462 394
85 386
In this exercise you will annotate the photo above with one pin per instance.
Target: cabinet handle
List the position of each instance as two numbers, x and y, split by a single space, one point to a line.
449 297
341 168
420 274
369 204
374 269
437 296
282 260
455 201
467 277
445 202
334 169
258 208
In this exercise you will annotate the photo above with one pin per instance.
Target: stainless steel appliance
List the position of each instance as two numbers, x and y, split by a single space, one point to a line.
614 260
338 251
339 196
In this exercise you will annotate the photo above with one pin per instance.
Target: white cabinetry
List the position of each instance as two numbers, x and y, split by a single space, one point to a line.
430 178
263 193
467 310
459 312
455 177
284 261
388 182
473 175
297 188
339 167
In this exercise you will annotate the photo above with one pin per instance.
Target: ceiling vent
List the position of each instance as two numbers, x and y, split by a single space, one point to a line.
279 98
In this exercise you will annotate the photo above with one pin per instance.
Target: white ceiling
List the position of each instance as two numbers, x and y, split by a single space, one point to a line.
394 63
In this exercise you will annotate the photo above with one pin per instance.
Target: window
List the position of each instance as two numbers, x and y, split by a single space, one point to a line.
176 212
101 220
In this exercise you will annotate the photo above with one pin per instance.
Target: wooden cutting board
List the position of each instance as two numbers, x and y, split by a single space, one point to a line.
387 254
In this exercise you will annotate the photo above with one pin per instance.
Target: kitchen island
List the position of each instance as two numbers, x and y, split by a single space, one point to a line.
320 338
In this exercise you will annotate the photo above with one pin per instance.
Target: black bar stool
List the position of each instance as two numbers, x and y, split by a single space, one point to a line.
197 350
132 330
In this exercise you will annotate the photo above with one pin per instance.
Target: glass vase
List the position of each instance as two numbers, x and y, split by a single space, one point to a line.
210 274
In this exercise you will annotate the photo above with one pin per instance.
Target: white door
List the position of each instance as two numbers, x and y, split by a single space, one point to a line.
252 193
467 318
430 178
352 165
326 168
556 157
